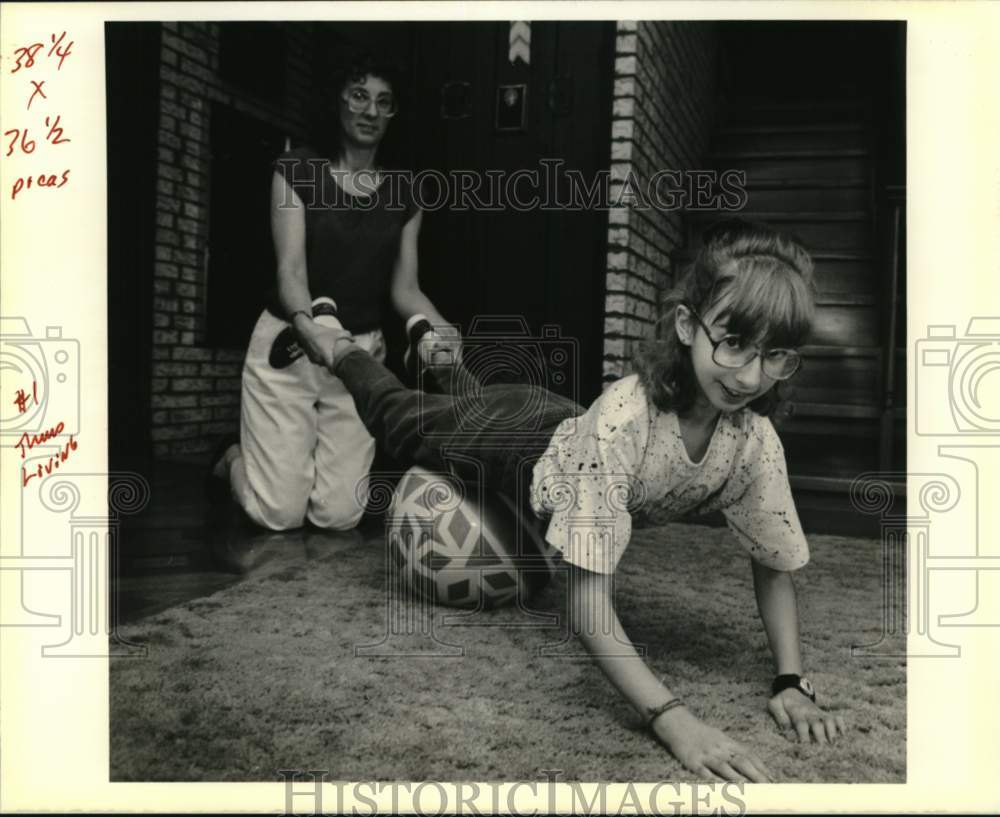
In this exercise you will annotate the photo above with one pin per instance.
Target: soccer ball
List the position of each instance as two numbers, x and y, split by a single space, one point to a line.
460 549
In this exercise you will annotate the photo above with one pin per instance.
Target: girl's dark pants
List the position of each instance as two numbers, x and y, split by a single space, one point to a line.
490 436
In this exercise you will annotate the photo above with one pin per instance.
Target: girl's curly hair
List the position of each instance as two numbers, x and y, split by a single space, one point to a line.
765 279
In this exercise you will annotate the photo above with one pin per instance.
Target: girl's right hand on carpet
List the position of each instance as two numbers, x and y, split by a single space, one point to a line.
708 751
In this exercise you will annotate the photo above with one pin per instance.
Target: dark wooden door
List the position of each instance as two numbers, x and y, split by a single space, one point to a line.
542 267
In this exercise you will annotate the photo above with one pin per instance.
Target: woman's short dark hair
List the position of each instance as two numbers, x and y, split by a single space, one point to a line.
354 65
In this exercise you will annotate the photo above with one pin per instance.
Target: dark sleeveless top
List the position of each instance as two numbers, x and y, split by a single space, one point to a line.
352 242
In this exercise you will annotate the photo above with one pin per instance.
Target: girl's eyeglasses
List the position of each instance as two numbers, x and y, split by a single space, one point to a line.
732 352
359 100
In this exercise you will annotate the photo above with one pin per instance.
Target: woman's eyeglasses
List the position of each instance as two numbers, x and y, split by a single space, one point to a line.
732 352
359 100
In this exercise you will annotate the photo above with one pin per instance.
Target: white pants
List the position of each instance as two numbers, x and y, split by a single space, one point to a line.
305 452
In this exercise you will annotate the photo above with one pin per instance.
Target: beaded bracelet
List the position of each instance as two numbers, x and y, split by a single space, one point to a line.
653 713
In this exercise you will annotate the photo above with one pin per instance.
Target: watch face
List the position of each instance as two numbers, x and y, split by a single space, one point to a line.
807 687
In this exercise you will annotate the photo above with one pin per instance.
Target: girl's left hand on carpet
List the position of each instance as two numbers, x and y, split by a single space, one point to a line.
792 709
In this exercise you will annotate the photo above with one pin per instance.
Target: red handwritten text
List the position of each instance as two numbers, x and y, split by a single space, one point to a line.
21 399
19 139
41 180
25 55
27 144
37 92
55 132
46 468
29 441
60 50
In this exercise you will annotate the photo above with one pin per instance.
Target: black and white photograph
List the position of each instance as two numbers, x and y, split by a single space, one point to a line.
503 388
498 408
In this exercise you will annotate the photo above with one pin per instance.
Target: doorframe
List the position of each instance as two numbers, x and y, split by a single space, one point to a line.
132 65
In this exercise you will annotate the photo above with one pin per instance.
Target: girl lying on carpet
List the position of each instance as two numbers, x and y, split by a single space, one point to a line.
688 432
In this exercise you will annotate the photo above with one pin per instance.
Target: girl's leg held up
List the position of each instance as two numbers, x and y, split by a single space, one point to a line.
496 426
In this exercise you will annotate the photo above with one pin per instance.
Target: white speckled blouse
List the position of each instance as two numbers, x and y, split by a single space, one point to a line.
624 457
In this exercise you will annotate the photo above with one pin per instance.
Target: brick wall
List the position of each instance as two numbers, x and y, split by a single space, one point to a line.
196 388
662 119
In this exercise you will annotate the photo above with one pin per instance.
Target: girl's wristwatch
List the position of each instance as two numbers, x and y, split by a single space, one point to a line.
792 681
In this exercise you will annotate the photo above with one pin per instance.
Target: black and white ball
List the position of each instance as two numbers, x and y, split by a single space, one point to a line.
464 550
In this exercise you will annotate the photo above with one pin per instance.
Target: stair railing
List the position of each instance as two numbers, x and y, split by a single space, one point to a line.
896 201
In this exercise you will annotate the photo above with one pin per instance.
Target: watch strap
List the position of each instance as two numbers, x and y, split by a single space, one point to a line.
793 681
